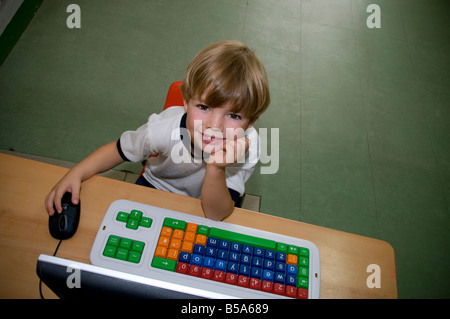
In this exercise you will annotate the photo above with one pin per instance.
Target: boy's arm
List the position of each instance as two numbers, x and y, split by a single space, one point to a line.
216 200
103 159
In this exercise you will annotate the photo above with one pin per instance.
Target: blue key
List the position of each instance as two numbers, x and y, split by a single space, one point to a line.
234 256
246 249
281 267
222 254
279 277
232 267
291 270
220 265
256 272
281 257
257 262
244 270
270 254
199 249
212 242
184 257
224 244
267 275
268 264
291 280
208 262
245 259
259 252
197 260
210 252
236 247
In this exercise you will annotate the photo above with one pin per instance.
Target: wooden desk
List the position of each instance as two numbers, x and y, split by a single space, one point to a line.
24 232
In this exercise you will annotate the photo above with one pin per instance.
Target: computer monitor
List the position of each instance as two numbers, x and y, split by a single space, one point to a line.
70 279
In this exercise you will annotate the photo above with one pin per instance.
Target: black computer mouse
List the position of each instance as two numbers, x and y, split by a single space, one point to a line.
65 224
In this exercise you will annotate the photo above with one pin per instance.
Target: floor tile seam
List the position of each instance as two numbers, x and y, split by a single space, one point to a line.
374 197
245 21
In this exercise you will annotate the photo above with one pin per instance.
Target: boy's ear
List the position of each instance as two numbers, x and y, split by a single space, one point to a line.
185 105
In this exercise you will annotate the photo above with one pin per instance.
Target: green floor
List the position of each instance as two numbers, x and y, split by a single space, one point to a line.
363 114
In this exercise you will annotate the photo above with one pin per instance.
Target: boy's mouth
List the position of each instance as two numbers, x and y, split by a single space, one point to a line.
212 138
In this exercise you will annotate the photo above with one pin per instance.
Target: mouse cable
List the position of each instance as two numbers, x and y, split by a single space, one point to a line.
40 280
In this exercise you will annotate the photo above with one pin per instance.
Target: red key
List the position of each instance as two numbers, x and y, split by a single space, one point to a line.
278 289
267 286
302 293
290 291
182 268
242 281
219 275
206 273
254 283
230 278
194 270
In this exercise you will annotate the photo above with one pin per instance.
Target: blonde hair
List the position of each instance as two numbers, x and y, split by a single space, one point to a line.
228 72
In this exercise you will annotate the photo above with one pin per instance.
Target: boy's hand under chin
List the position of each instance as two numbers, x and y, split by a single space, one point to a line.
231 152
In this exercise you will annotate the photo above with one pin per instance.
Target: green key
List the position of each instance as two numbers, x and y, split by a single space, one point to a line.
133 223
203 230
241 238
113 241
109 251
134 257
293 250
122 217
302 282
138 246
303 262
163 263
125 243
304 252
136 214
145 222
303 272
122 254
174 223
282 248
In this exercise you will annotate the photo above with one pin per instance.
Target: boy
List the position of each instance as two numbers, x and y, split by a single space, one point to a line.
224 91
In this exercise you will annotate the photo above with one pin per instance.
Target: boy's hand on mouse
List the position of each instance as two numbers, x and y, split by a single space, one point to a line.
69 184
231 152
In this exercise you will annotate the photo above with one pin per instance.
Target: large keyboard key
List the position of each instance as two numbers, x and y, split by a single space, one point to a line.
163 263
174 223
242 238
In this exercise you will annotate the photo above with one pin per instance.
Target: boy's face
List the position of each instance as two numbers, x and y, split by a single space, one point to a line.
213 127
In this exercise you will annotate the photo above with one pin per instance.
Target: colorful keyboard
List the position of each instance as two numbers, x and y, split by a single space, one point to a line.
219 259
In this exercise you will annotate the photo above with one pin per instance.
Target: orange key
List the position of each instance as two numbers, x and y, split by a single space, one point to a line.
178 234
175 243
173 254
166 232
189 237
163 241
201 240
291 260
187 247
161 252
191 227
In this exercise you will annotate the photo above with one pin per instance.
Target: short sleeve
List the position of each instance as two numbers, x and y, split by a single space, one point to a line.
151 138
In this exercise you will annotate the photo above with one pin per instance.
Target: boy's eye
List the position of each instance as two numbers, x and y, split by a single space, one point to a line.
234 116
202 107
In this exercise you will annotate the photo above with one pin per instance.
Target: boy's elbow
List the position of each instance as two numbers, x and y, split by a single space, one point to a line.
218 213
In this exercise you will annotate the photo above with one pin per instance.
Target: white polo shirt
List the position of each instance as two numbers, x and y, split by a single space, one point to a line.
171 166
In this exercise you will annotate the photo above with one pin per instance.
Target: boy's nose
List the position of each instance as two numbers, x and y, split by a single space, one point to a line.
214 122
